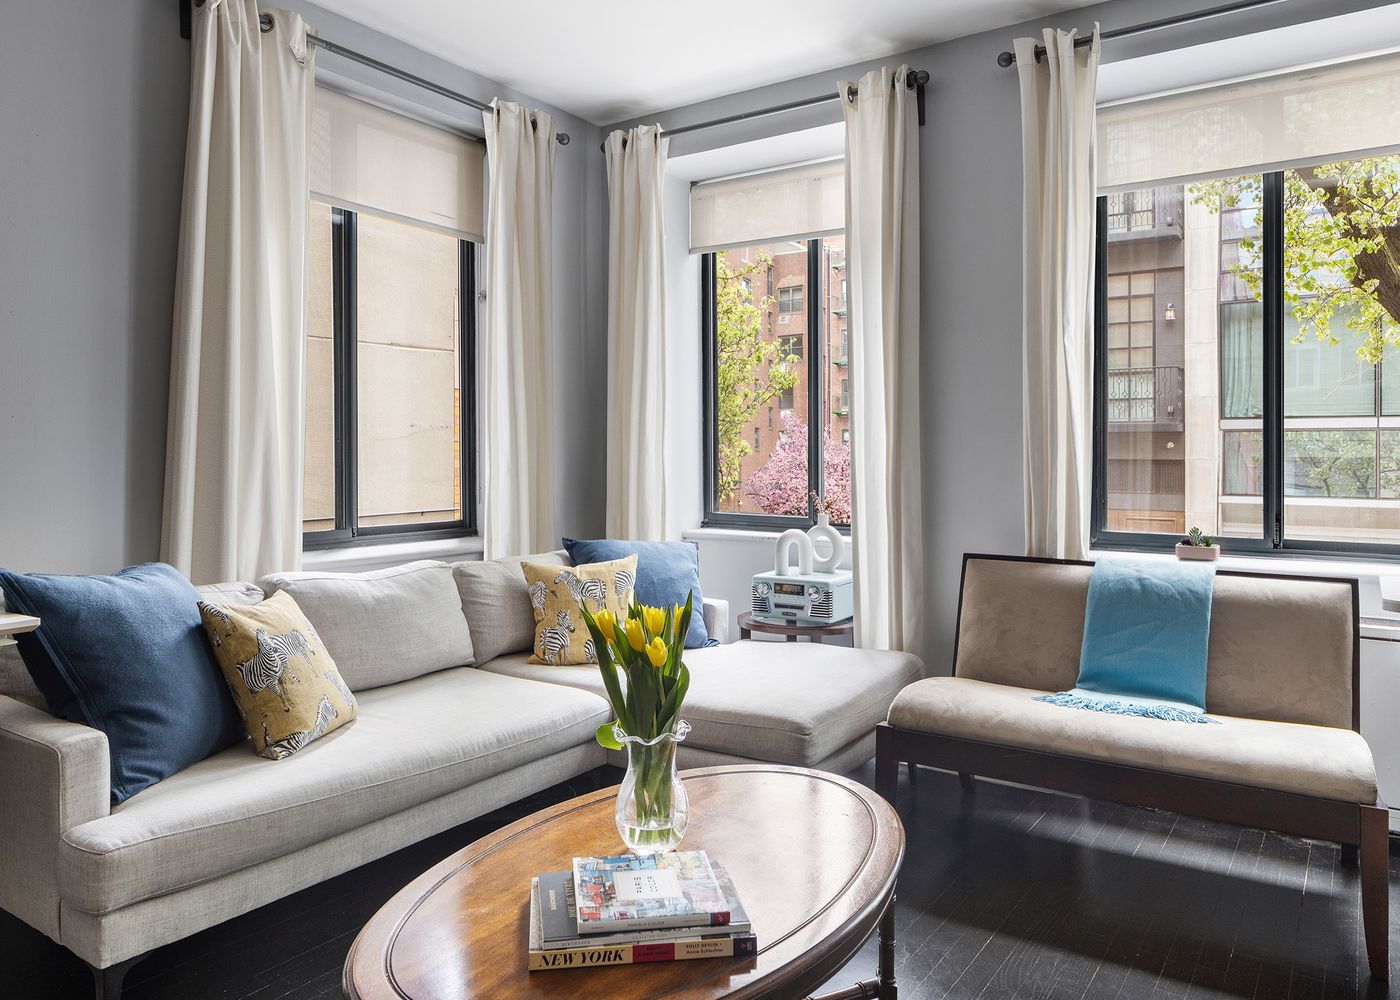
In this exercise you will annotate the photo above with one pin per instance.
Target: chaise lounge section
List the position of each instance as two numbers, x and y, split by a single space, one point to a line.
1282 684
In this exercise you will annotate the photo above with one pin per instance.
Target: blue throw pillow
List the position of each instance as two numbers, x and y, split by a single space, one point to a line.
666 573
126 654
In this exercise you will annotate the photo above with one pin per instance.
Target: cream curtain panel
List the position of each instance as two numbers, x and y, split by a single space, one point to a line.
234 440
636 162
882 262
516 401
1057 140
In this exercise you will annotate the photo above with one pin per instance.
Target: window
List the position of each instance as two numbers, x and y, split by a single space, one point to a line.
790 299
1266 411
390 400
762 474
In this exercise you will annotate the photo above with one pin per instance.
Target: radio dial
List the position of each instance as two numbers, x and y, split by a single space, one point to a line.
811 591
764 590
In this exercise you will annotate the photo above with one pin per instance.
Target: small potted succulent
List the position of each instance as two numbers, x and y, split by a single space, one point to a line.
1198 545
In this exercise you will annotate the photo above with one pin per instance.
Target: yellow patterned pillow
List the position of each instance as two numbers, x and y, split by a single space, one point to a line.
283 681
557 593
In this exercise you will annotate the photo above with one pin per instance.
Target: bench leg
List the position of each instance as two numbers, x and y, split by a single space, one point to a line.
967 782
1375 888
913 772
1349 856
107 983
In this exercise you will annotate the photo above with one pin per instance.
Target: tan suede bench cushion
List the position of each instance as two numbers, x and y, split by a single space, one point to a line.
1321 761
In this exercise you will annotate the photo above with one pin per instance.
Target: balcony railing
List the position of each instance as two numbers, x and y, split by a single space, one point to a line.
1150 211
1146 396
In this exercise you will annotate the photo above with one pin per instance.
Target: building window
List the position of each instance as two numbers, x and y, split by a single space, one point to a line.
843 294
790 299
389 380
845 394
757 358
1291 364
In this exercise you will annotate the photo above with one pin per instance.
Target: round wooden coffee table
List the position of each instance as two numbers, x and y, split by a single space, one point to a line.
814 857
813 633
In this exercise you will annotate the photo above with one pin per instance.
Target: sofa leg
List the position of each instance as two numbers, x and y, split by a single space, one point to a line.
107 983
1375 888
886 765
966 781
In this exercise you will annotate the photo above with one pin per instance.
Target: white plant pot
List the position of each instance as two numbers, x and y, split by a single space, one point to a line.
1204 553
823 530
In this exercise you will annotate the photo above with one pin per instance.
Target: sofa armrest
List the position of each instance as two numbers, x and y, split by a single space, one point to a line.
717 618
54 775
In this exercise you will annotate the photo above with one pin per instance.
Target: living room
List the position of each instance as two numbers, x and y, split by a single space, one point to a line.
439 453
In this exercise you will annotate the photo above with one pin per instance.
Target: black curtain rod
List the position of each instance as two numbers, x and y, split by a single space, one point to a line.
1009 58
265 24
915 81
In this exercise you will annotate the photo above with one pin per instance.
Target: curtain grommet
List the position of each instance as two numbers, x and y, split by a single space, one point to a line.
266 23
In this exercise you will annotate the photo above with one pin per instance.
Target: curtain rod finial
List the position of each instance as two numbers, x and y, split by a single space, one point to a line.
1006 59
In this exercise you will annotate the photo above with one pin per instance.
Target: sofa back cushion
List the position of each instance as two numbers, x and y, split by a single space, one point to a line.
1280 649
496 602
385 626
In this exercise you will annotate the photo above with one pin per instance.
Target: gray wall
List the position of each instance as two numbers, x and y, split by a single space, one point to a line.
92 134
971 253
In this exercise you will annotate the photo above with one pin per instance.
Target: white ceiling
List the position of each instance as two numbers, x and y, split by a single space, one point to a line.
618 59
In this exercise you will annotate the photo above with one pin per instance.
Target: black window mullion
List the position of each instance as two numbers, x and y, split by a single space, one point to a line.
466 355
347 340
1272 291
813 357
1099 422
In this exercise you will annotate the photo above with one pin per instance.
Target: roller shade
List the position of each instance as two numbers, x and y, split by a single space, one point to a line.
792 203
1303 116
363 157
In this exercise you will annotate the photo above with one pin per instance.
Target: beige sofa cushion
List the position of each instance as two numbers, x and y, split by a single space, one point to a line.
412 743
385 626
790 703
1320 761
1280 648
496 602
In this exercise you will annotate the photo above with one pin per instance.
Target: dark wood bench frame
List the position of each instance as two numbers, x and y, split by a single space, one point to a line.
1360 828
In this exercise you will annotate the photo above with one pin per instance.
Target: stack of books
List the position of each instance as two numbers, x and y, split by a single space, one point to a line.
626 910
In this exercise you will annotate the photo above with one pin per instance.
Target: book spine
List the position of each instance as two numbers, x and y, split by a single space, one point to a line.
637 954
640 937
719 918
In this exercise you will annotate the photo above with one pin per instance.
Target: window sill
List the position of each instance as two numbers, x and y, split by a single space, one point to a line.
359 558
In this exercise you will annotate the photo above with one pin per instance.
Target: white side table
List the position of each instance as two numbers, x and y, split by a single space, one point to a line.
14 624
1390 593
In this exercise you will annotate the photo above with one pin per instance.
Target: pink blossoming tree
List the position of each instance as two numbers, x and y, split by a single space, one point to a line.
780 487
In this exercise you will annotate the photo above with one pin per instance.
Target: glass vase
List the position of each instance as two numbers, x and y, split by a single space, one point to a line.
652 809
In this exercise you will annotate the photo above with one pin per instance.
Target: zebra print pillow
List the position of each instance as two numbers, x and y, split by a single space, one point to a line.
557 594
285 684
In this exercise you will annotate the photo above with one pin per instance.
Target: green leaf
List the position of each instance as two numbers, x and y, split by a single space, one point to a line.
606 738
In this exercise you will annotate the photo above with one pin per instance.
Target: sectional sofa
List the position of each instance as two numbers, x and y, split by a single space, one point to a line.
432 748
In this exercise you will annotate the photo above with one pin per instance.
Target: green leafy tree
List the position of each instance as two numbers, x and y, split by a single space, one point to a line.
751 370
1341 248
1332 464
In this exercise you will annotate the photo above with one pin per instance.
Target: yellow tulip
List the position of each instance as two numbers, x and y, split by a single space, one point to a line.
635 637
654 618
657 652
680 610
607 624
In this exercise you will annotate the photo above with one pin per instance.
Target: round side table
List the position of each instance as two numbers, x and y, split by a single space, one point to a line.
814 633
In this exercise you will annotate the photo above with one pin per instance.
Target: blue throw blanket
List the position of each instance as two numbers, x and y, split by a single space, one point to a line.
1146 635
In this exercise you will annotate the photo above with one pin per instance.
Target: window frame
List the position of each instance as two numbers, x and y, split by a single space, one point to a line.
1273 539
813 357
344 350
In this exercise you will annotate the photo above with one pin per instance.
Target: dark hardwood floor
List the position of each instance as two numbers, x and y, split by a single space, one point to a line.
1005 894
